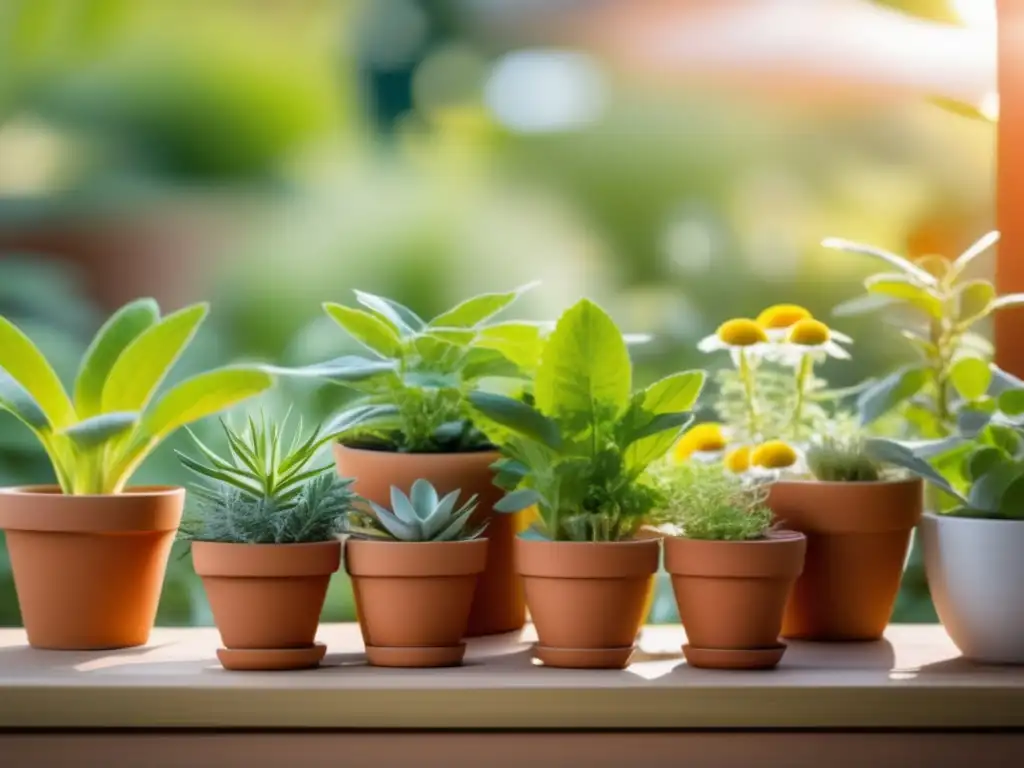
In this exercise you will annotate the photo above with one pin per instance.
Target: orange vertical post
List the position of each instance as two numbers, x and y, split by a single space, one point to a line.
1009 323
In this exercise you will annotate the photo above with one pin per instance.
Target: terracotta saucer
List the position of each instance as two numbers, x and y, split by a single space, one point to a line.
265 659
422 656
584 658
754 658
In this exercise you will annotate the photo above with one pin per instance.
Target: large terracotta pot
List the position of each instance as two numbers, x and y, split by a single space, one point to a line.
975 571
731 596
88 570
587 599
266 600
414 598
858 536
498 604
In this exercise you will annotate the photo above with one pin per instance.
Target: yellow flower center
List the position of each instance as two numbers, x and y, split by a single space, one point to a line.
738 459
741 332
782 316
701 438
775 454
809 333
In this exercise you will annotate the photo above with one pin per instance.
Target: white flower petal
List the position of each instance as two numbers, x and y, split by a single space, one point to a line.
834 350
837 336
711 343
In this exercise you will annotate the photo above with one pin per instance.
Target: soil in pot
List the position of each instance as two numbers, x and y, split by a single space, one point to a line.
267 597
587 599
731 596
858 535
975 569
498 605
88 570
414 598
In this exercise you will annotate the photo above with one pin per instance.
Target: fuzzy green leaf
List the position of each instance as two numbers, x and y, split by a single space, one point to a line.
585 369
18 401
518 417
964 259
120 330
472 312
145 361
884 395
974 301
359 416
99 429
905 266
971 376
24 363
1007 301
403 319
368 329
906 289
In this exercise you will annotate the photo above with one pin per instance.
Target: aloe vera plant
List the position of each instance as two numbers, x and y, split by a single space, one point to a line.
98 435
419 517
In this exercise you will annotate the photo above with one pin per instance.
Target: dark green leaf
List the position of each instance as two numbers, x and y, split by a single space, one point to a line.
988 490
517 416
982 461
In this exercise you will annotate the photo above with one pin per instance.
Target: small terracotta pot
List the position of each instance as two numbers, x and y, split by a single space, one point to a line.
88 570
414 598
731 595
858 536
267 597
587 599
498 605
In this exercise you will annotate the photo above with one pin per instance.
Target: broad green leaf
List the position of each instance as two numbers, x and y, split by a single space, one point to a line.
905 266
657 424
145 362
884 395
906 289
518 417
641 453
678 392
1011 402
987 491
898 455
1008 300
403 319
123 327
863 304
517 501
98 429
964 259
460 337
585 368
366 328
17 400
1006 439
522 343
982 460
489 363
1012 503
26 365
472 312
437 353
971 376
974 301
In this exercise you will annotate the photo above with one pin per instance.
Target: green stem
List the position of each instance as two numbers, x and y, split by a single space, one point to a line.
747 377
803 376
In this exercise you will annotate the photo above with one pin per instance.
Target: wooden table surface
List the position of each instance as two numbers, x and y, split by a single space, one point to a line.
912 679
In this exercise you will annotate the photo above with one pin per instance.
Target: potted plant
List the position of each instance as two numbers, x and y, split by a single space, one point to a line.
89 553
783 420
581 457
414 421
264 540
732 569
414 570
972 548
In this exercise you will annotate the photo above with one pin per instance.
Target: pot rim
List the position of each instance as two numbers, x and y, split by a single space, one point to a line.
368 558
52 490
627 542
236 560
844 483
338 445
630 558
783 536
960 520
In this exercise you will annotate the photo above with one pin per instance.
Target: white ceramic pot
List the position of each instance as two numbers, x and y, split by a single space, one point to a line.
975 573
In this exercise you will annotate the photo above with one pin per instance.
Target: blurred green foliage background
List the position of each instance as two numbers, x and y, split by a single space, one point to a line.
272 155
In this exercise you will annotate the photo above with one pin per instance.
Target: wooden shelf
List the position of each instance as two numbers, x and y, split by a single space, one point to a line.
914 679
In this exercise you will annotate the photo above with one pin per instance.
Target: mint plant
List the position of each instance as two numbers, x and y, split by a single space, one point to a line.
97 437
581 452
417 374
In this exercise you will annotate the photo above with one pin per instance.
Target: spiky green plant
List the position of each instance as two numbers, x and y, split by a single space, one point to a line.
843 460
706 501
264 492
419 517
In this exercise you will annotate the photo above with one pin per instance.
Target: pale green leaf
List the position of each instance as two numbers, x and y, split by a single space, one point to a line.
882 396
26 365
1007 301
472 312
352 370
100 428
964 259
403 319
905 289
971 376
674 393
863 304
460 337
974 301
905 266
368 329
123 327
145 362
585 367
522 343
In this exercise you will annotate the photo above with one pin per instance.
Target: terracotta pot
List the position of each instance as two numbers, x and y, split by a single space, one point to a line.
587 599
267 597
88 570
858 536
414 598
731 595
498 605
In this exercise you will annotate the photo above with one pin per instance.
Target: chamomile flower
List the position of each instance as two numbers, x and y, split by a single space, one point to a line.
779 318
812 337
739 336
737 460
774 454
701 442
